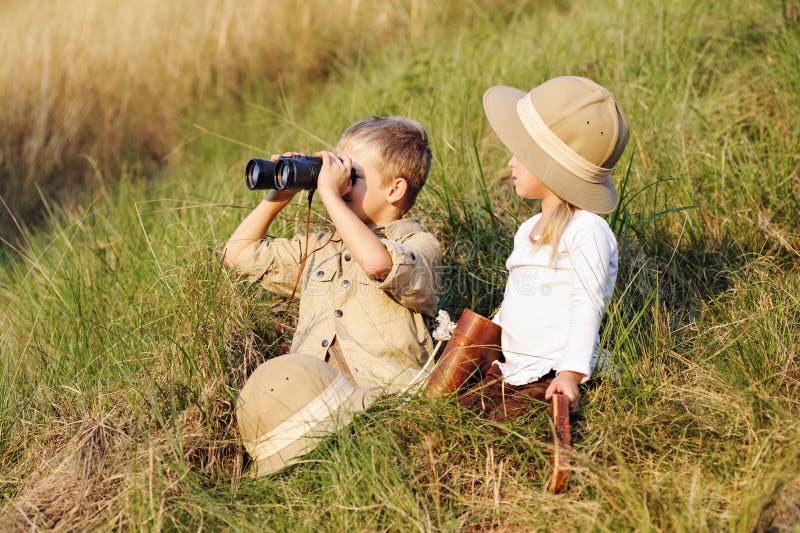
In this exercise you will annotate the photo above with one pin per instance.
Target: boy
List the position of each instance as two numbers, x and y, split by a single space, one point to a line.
369 289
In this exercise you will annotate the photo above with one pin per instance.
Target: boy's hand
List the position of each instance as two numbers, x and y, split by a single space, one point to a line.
274 157
257 223
334 177
566 382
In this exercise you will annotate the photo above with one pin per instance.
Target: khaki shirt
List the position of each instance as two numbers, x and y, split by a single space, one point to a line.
380 327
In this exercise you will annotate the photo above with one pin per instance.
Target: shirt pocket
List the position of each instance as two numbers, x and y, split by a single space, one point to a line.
319 278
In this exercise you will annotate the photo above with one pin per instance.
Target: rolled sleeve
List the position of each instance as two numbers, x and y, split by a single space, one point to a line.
414 278
273 263
594 257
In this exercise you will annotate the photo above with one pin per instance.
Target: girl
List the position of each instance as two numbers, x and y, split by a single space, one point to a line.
566 136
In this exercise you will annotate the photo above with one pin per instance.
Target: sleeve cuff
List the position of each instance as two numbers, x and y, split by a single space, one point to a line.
401 258
254 261
586 373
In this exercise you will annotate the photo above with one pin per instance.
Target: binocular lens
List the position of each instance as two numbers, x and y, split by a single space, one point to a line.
296 172
282 177
259 174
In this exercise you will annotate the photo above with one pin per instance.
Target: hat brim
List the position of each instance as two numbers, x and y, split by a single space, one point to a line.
500 106
358 401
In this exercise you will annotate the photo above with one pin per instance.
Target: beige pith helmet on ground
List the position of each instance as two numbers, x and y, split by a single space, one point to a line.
289 404
568 131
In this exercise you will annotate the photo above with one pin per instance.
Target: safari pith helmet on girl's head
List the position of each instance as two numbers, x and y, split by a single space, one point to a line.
568 131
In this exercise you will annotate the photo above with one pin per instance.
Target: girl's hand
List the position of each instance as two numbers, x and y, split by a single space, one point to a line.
566 383
334 177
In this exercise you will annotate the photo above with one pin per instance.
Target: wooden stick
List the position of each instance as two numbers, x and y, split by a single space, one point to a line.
562 440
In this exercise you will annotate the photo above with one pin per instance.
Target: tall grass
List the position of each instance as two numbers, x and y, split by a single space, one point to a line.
90 85
123 342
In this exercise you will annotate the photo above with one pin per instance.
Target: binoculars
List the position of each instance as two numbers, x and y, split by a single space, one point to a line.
295 172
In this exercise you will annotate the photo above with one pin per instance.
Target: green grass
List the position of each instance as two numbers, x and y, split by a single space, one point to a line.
123 340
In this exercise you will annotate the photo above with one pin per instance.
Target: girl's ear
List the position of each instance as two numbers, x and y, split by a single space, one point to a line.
396 190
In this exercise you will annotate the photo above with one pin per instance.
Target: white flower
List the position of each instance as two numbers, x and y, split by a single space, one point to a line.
444 326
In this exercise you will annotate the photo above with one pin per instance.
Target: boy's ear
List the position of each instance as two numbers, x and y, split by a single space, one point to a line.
396 190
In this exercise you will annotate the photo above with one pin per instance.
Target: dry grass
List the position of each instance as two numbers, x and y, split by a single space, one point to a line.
74 485
89 84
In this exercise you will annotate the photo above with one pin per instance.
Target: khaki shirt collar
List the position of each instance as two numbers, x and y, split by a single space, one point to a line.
395 230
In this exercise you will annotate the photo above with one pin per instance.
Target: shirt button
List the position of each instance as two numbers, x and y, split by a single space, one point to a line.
338 313
347 257
325 343
320 273
346 283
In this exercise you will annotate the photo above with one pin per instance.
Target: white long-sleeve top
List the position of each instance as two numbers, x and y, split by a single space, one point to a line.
552 308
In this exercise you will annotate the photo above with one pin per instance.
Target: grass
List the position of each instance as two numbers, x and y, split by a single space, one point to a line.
83 99
123 341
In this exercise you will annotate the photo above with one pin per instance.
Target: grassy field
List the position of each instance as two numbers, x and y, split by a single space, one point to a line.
123 341
90 89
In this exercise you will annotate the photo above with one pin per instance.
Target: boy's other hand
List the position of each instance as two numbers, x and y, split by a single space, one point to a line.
334 177
566 382
274 157
284 196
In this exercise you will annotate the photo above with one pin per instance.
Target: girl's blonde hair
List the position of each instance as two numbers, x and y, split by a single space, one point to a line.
554 226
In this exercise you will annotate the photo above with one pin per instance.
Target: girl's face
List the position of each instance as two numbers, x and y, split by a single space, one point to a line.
526 184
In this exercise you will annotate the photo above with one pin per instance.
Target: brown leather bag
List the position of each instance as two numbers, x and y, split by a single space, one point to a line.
472 349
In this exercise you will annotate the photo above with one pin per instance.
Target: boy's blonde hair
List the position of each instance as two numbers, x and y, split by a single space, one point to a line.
399 147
